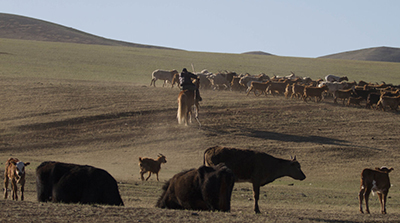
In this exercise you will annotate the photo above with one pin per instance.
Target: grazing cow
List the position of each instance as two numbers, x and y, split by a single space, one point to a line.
376 181
15 171
72 183
164 75
342 94
257 86
355 101
251 166
205 188
387 101
333 78
316 92
150 165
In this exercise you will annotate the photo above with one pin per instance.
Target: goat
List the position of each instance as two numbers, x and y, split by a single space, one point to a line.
151 166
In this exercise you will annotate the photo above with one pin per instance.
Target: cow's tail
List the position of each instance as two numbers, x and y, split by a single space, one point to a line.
182 109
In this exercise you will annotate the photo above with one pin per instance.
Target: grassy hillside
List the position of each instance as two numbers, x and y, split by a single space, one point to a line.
20 27
387 54
23 58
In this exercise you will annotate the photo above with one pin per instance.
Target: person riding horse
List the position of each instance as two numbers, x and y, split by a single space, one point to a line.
185 79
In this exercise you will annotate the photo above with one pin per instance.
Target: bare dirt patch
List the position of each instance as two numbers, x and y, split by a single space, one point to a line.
109 125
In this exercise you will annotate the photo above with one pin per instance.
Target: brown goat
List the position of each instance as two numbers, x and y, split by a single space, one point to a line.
150 165
15 171
377 181
316 92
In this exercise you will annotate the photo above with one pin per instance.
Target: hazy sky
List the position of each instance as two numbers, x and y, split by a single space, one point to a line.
308 28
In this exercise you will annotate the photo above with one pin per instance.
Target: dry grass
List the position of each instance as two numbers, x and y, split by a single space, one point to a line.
110 124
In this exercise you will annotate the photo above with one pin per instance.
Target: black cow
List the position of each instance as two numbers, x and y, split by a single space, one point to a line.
205 188
255 167
72 183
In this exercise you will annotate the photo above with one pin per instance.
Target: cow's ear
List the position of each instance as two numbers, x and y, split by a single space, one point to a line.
27 163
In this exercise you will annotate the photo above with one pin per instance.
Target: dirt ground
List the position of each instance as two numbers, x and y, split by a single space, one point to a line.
109 125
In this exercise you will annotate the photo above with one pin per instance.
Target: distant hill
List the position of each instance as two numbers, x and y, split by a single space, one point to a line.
258 53
386 54
25 28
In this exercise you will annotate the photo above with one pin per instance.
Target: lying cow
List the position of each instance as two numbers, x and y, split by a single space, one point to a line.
72 183
255 167
377 181
205 188
15 171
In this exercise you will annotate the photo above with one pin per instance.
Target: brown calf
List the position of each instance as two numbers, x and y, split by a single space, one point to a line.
377 181
151 165
15 171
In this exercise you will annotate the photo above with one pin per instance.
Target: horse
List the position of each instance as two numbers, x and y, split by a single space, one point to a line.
187 101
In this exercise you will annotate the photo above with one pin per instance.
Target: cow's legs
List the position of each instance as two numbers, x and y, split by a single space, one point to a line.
157 176
5 186
382 200
360 198
14 189
366 197
256 193
148 176
22 192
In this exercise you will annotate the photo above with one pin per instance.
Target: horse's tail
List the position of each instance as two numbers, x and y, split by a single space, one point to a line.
182 109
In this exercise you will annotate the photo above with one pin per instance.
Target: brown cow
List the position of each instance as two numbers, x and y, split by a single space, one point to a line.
252 166
377 181
150 165
15 171
205 188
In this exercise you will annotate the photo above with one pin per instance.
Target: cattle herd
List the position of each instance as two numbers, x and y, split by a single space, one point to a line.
210 186
207 188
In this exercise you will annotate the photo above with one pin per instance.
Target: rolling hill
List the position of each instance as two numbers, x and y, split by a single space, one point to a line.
25 28
386 54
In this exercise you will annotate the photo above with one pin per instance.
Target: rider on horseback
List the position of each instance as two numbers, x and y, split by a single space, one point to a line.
185 79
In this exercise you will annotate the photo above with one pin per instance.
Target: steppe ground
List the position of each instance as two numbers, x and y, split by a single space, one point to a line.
110 124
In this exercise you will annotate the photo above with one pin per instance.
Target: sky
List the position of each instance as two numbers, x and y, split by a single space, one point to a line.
295 28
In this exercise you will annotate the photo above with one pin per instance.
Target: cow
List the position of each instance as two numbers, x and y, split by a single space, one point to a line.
376 181
73 183
205 188
316 92
164 75
333 78
252 166
150 165
15 172
387 101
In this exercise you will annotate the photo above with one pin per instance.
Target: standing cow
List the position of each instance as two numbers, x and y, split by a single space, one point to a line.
15 171
205 188
72 183
255 167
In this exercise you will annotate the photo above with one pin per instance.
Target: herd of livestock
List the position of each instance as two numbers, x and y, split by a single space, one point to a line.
210 186
379 96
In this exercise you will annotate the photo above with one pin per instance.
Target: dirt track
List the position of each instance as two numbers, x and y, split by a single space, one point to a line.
109 125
